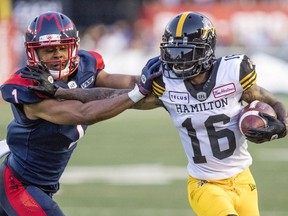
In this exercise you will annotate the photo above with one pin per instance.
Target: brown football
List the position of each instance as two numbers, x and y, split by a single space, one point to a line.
249 116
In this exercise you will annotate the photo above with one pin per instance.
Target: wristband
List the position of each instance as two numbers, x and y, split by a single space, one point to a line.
135 95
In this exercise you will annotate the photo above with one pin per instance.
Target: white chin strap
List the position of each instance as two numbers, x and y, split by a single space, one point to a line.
56 74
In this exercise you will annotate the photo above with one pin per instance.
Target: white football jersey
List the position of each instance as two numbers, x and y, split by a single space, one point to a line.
207 117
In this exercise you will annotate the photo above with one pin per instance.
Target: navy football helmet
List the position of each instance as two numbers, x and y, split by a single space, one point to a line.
53 29
188 46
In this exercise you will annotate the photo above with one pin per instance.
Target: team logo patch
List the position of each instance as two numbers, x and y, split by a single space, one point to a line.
50 79
224 90
179 97
208 27
143 78
252 186
72 84
201 183
201 96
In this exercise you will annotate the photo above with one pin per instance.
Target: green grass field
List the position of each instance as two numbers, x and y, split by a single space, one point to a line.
144 146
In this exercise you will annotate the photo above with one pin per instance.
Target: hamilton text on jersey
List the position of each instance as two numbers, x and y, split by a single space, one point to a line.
183 108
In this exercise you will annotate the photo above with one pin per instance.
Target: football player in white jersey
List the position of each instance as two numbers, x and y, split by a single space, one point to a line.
204 97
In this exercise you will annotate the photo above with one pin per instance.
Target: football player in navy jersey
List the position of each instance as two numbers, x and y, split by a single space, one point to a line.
45 131
204 96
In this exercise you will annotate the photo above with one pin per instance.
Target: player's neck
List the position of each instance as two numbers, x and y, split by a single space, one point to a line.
200 79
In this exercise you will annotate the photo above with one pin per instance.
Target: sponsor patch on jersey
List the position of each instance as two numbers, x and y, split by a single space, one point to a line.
224 90
88 82
179 96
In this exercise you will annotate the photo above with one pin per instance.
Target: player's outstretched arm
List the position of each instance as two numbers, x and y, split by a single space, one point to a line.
75 112
91 94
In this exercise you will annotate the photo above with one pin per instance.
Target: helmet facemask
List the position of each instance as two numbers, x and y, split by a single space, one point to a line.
66 65
186 61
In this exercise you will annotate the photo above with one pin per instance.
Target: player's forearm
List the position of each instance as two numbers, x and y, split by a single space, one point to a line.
149 102
99 110
74 112
96 111
86 95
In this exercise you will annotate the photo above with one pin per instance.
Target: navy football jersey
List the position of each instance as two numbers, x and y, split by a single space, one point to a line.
40 150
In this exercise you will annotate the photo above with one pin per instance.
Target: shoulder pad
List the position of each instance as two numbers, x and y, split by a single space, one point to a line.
248 75
15 90
99 60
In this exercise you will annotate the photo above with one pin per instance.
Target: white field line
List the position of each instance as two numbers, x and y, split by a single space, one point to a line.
124 175
147 174
112 211
88 211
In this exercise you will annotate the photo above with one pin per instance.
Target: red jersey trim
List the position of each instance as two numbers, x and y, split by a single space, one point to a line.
18 80
99 60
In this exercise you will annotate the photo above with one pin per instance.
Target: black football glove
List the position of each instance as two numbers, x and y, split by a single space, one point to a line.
149 73
40 74
275 129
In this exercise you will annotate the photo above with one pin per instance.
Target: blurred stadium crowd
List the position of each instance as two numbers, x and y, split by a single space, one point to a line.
128 32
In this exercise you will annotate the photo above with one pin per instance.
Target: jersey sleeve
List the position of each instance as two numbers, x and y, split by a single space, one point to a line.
248 75
15 90
158 86
99 60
